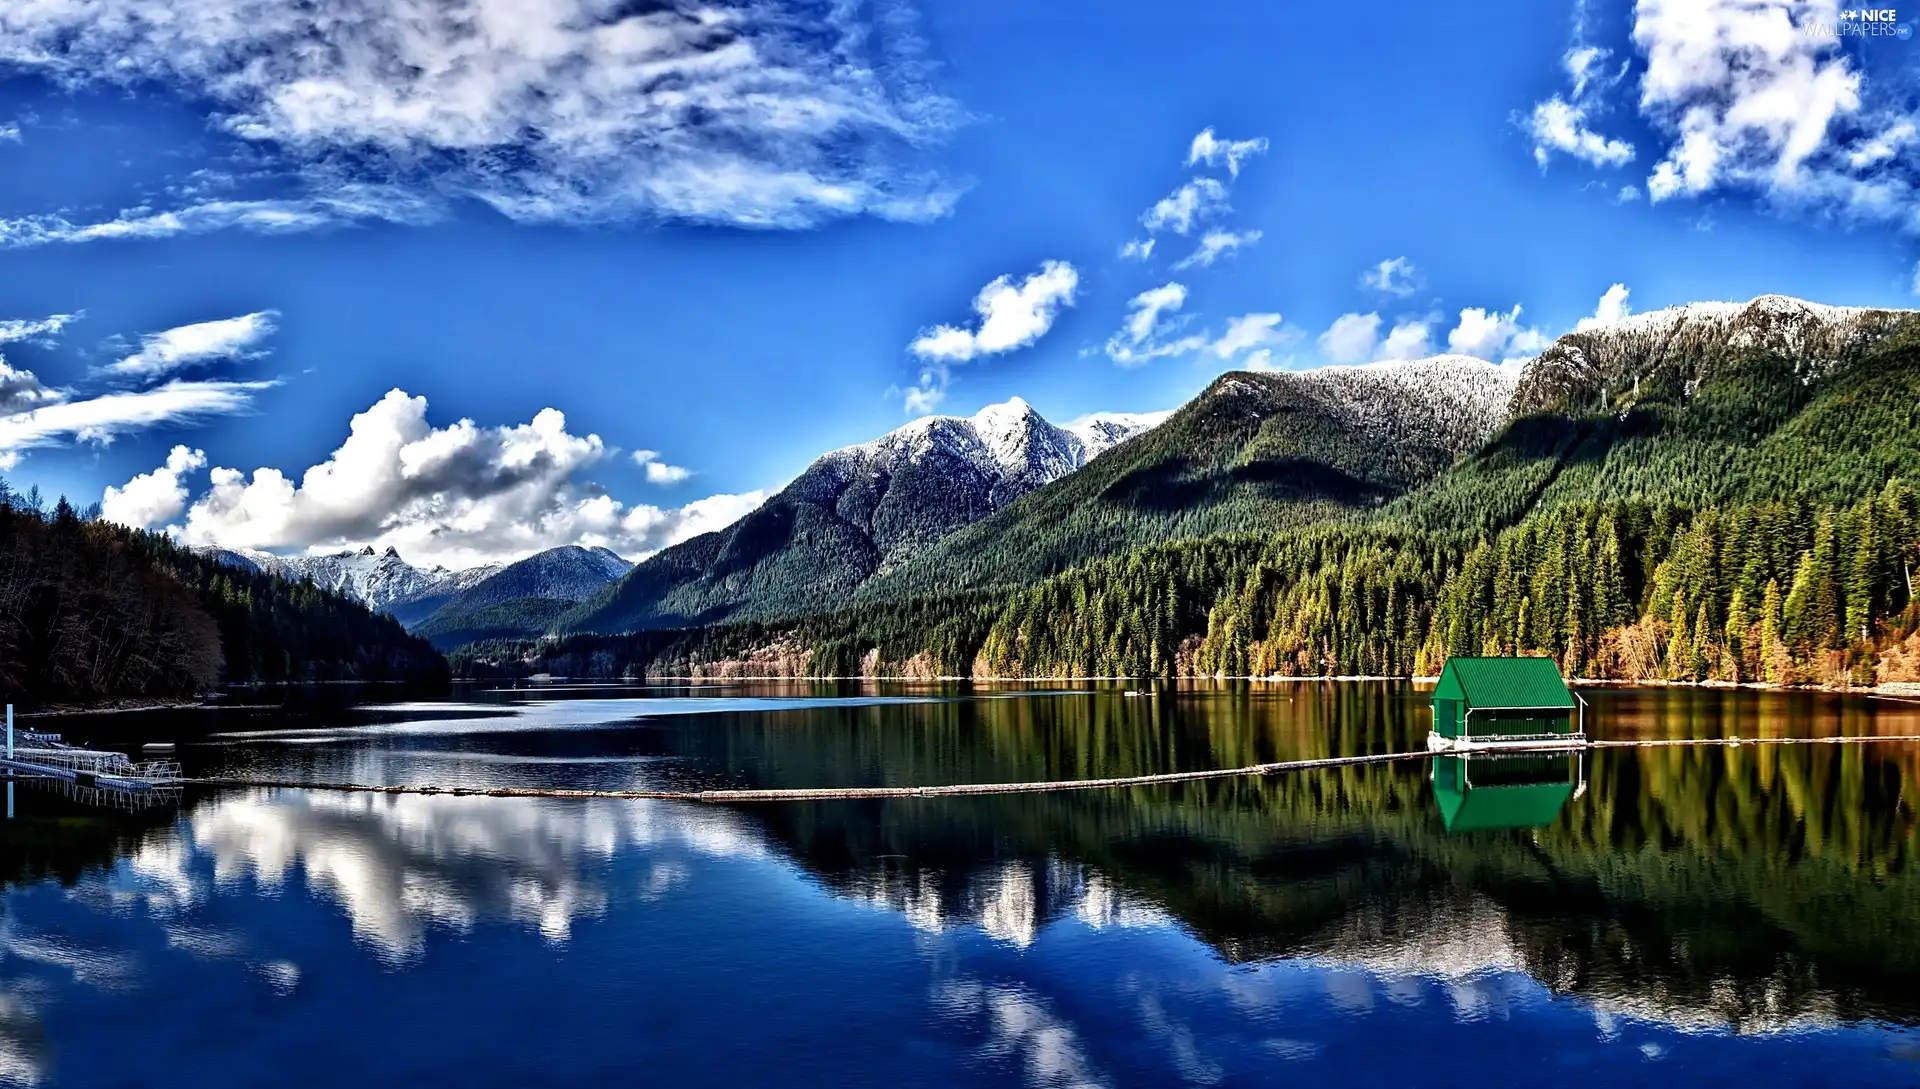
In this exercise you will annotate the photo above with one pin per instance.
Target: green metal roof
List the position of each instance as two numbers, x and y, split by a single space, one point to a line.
1487 683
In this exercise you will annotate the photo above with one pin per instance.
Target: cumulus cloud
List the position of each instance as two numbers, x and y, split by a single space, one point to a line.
1407 340
1251 333
459 495
1213 151
1138 249
191 345
20 389
35 329
1627 194
657 471
1217 244
1351 338
1147 331
1392 276
1495 336
109 416
1193 203
155 498
1756 96
1611 308
1355 338
10 133
756 114
1011 315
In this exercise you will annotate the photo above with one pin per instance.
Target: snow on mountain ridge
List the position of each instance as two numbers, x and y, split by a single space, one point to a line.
1009 442
1677 348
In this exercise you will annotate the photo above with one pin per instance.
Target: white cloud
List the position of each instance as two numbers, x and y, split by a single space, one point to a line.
1756 96
1392 276
1217 244
1137 249
1407 340
105 418
1495 336
1559 125
459 495
348 204
10 133
14 329
20 389
1251 331
1010 316
1627 194
1916 279
1611 308
202 342
657 471
155 498
571 110
1211 150
1150 321
1351 338
1195 202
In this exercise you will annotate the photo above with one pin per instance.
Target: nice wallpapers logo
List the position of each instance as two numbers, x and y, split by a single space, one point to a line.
1865 23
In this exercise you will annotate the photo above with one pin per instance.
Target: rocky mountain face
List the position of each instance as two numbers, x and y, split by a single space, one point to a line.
1778 345
856 512
523 598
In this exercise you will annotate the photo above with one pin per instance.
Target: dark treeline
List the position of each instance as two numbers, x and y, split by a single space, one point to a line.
1791 591
93 611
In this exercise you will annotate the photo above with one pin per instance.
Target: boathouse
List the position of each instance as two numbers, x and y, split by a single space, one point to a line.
1491 701
1481 791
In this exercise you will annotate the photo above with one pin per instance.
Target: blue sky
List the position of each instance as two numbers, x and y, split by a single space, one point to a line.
719 239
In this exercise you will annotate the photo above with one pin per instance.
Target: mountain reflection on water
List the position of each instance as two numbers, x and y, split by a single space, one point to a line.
1757 891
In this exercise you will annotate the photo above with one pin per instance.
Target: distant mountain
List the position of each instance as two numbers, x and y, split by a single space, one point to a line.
853 513
523 598
381 581
1255 451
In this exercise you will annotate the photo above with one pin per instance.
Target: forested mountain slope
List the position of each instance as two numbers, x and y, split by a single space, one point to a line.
1255 451
92 611
852 513
524 597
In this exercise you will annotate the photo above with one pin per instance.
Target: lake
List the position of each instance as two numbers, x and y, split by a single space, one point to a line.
1700 916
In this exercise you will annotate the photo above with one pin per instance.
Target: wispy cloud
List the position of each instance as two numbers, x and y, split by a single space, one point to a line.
35 329
192 345
107 417
1193 203
1147 333
1392 276
1137 249
1213 151
1217 244
1011 315
258 216
763 115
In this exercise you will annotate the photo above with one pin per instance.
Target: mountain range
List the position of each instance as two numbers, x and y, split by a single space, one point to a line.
1005 498
853 514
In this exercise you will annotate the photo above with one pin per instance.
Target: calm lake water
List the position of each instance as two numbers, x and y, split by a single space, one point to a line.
1696 916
